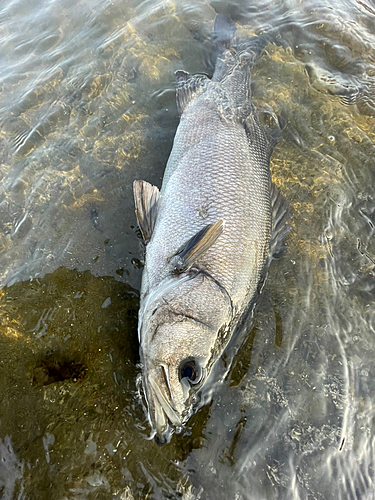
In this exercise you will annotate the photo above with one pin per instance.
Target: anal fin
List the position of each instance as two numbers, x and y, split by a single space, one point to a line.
146 198
188 88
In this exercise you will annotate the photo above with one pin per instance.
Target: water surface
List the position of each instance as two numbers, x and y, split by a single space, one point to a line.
87 105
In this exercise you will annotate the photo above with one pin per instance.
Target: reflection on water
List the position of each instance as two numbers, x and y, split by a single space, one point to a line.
87 106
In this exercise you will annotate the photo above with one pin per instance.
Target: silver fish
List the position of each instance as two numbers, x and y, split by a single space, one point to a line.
207 232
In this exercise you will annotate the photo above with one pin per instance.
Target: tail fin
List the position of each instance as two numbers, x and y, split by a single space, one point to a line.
224 34
225 38
254 46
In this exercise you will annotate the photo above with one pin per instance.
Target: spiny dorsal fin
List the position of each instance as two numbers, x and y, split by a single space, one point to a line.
197 246
188 88
146 199
280 218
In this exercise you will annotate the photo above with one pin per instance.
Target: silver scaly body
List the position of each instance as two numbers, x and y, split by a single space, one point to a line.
207 232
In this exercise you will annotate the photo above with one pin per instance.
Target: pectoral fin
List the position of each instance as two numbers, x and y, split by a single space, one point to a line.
197 246
146 198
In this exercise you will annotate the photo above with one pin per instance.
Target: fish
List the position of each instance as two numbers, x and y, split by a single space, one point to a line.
208 233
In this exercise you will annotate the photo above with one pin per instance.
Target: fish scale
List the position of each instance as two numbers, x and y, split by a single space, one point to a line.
208 232
233 181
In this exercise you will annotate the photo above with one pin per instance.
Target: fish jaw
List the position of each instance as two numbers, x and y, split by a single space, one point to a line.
164 414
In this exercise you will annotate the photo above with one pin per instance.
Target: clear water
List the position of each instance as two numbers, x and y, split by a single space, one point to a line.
87 105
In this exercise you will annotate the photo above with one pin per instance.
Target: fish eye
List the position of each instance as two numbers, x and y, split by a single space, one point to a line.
190 371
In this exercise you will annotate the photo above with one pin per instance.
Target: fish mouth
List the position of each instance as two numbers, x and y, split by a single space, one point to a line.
163 416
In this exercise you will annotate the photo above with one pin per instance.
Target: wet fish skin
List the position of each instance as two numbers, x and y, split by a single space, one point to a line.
208 231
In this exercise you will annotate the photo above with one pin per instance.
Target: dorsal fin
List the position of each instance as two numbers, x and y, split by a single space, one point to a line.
146 198
188 87
272 125
195 247
280 218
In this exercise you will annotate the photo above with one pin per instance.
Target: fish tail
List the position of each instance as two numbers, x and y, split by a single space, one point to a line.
231 51
224 34
254 47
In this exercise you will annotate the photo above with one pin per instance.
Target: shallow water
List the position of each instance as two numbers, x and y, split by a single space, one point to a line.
87 105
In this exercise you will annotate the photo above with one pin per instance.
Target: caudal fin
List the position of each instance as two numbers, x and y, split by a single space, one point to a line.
224 34
225 38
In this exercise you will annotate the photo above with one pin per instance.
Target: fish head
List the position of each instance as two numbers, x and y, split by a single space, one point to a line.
182 334
178 361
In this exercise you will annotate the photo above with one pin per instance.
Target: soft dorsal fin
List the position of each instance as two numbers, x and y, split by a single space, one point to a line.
146 198
188 88
197 246
272 125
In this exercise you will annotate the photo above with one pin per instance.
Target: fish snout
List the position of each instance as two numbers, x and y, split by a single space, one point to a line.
163 437
163 414
160 440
